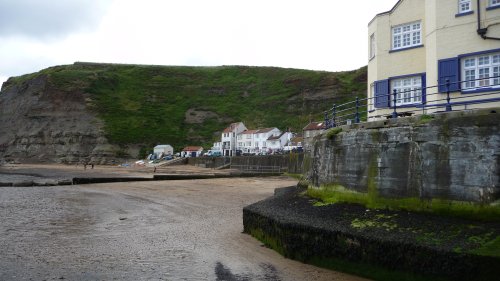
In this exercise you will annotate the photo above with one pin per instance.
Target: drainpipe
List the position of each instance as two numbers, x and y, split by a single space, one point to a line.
482 31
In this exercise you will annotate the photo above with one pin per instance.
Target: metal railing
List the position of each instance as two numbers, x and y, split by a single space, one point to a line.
356 111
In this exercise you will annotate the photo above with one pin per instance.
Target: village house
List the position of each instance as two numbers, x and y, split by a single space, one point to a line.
237 137
309 132
421 49
278 142
256 141
191 151
261 137
246 141
229 138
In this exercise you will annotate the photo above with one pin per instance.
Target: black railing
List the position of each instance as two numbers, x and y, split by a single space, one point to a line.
357 111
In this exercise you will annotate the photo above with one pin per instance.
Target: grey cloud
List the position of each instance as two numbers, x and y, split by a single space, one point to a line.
50 18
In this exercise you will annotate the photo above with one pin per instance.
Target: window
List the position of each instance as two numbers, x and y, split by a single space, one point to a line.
464 6
371 105
409 90
406 35
372 46
481 71
494 3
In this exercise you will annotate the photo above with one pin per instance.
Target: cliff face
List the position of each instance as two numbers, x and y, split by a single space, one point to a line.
101 113
39 123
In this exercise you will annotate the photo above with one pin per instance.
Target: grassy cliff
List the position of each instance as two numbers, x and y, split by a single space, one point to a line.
182 105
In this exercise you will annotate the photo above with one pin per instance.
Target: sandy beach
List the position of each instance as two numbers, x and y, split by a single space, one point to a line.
159 230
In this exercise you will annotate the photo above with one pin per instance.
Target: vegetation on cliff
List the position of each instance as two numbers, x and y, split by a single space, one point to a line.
183 105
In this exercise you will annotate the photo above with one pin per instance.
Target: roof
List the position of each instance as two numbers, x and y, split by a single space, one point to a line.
295 141
388 12
231 127
192 148
249 132
314 126
276 137
163 146
265 130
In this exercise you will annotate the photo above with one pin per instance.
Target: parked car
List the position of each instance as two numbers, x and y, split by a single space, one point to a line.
213 153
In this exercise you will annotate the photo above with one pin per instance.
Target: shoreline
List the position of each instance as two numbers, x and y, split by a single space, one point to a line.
59 174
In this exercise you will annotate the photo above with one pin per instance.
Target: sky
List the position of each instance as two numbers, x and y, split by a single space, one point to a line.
307 34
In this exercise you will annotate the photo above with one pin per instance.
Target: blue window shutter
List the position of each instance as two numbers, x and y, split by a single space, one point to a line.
449 69
424 90
382 93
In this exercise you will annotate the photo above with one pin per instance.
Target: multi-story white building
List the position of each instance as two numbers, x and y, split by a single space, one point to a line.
246 141
261 137
236 137
422 43
278 142
256 141
228 138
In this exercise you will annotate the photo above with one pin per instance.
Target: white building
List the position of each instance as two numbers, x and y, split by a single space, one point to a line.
246 141
163 149
229 138
192 151
217 146
259 141
275 143
261 137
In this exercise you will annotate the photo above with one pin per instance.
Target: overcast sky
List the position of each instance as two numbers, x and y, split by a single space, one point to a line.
308 34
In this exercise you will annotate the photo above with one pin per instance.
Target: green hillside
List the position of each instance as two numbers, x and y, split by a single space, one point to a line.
191 105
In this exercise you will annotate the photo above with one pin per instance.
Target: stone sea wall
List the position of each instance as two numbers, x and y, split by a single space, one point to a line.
294 163
452 156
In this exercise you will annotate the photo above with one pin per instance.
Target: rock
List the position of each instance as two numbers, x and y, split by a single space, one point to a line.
23 183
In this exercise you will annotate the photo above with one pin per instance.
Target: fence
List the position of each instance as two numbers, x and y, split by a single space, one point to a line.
260 169
415 100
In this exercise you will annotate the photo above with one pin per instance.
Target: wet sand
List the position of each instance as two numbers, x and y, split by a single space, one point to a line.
164 230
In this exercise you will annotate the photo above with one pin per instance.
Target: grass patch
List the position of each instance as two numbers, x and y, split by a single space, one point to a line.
424 119
489 247
331 194
331 133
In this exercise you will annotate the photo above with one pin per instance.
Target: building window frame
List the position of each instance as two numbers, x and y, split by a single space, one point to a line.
406 36
464 6
409 90
480 72
373 46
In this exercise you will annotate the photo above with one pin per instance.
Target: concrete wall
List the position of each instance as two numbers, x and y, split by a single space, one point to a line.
453 156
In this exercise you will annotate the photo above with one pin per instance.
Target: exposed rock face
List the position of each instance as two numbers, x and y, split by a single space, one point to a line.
39 123
455 156
194 116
